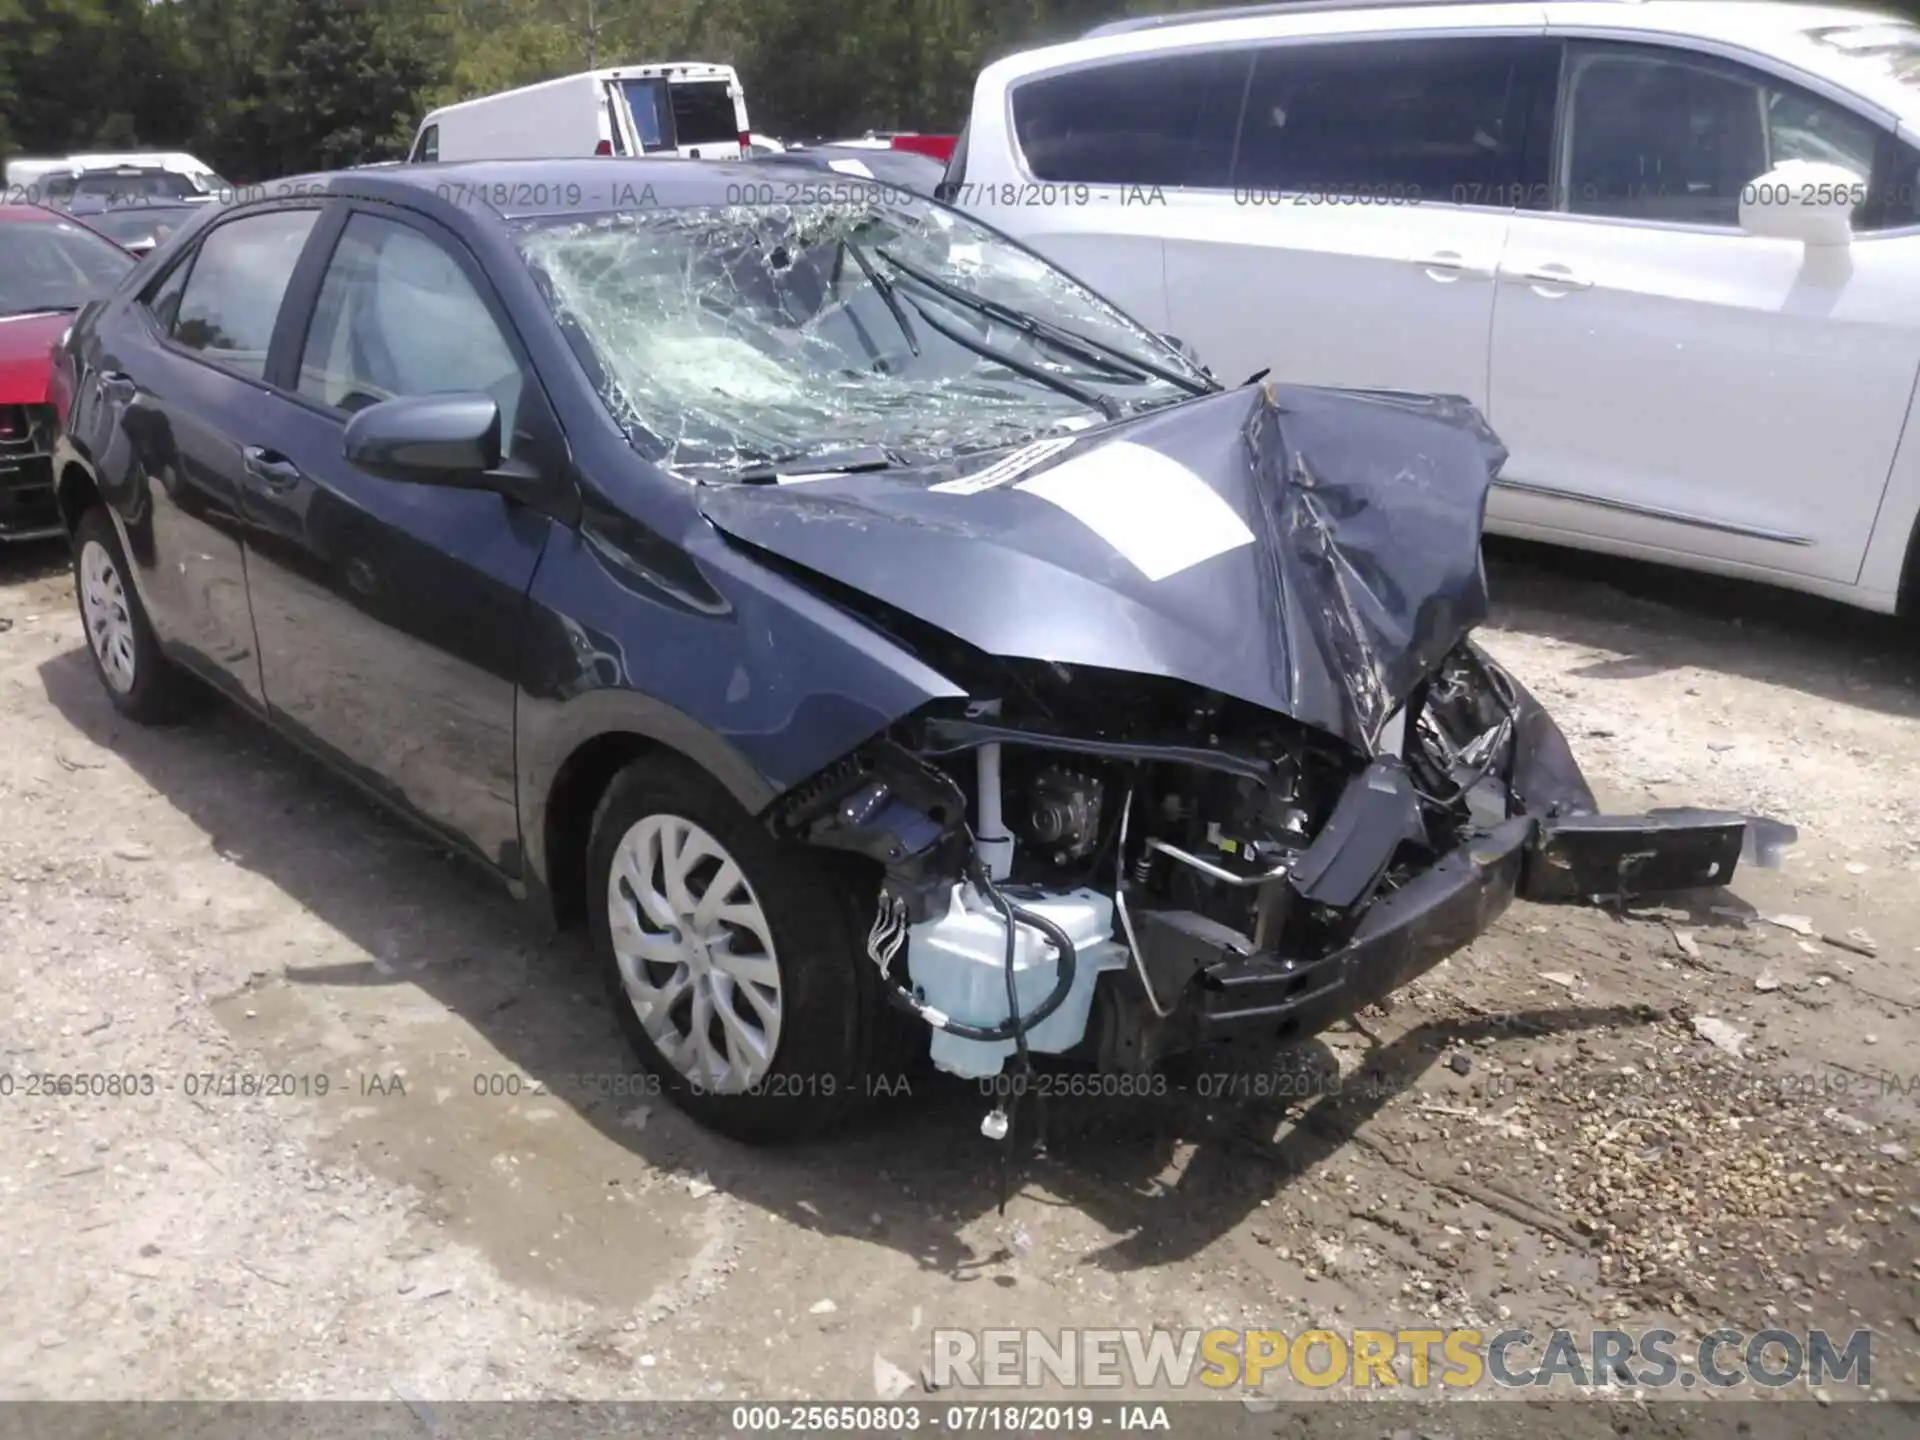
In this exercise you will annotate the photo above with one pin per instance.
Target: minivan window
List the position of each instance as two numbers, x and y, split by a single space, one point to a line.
233 292
1656 134
703 113
1166 120
1402 121
428 149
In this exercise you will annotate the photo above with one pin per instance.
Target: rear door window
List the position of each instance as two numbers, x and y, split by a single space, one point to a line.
1444 119
703 113
652 117
1167 120
233 292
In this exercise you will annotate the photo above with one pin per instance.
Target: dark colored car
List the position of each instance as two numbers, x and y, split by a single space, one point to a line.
853 618
49 267
136 225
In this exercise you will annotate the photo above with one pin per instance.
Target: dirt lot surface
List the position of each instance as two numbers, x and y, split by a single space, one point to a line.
1538 1134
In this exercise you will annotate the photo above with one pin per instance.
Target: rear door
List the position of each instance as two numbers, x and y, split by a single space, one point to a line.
168 408
649 117
390 613
709 118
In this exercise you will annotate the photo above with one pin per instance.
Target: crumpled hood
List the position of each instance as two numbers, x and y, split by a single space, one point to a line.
26 355
1314 552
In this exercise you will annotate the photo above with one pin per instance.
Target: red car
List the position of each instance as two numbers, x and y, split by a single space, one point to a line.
50 265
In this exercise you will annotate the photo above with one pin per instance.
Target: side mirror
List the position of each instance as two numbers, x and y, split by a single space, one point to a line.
433 439
1806 200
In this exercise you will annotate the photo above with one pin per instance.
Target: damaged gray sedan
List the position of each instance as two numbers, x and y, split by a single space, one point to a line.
867 623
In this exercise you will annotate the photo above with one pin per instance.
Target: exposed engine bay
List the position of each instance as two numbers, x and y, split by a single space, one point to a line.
1114 868
1240 792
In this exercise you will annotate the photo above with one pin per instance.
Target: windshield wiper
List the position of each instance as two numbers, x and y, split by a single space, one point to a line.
1093 352
885 288
1092 399
854 460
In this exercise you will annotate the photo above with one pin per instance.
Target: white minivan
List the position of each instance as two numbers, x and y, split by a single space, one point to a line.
686 108
1670 249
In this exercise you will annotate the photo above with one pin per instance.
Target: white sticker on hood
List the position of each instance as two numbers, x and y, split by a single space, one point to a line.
1155 511
850 167
1001 471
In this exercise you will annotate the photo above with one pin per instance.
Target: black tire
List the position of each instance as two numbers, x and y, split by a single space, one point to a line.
160 692
820 1066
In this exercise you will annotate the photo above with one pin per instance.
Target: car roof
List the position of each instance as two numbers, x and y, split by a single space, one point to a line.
1796 34
517 189
31 214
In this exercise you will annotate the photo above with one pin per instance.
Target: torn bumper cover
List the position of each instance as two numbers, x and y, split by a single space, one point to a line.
1222 990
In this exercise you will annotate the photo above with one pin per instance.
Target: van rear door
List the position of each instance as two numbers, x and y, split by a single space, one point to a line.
709 118
649 117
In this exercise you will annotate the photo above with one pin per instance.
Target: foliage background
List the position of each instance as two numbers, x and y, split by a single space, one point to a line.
263 88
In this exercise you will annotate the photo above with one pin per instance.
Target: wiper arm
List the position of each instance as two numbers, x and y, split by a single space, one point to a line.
1092 399
854 460
1092 352
885 288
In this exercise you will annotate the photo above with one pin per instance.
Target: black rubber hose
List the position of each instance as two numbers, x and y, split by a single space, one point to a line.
1015 1025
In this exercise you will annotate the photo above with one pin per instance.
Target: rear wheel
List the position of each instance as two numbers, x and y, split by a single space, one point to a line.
730 958
141 682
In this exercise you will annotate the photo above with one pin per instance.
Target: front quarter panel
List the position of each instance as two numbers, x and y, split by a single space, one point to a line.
694 645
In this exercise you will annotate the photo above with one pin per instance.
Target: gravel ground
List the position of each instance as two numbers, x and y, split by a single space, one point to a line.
1552 1129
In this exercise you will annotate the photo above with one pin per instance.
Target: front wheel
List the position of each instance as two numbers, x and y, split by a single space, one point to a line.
729 957
141 682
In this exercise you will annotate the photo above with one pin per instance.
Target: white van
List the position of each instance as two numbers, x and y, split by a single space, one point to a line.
691 109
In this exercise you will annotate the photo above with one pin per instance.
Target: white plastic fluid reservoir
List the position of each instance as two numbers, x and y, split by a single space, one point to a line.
958 964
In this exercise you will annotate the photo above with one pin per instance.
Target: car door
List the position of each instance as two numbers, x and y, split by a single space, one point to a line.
171 393
1372 186
390 612
1670 385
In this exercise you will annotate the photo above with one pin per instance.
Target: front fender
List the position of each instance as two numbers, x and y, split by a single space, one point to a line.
741 670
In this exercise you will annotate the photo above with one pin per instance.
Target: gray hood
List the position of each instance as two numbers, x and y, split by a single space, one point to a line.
1313 552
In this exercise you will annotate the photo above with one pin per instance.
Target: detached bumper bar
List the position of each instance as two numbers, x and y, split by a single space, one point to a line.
1603 857
1401 936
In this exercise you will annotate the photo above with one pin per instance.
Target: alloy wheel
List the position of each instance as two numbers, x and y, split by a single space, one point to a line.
103 600
695 953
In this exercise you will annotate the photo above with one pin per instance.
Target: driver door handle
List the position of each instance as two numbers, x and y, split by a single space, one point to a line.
1550 276
1446 266
272 469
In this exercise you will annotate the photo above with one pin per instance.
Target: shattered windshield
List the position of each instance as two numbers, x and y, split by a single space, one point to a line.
743 335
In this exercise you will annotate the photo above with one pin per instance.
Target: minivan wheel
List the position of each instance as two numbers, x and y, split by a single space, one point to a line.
729 957
140 681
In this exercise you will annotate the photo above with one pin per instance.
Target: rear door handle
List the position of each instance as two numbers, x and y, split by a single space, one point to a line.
1446 266
272 469
1556 277
116 384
